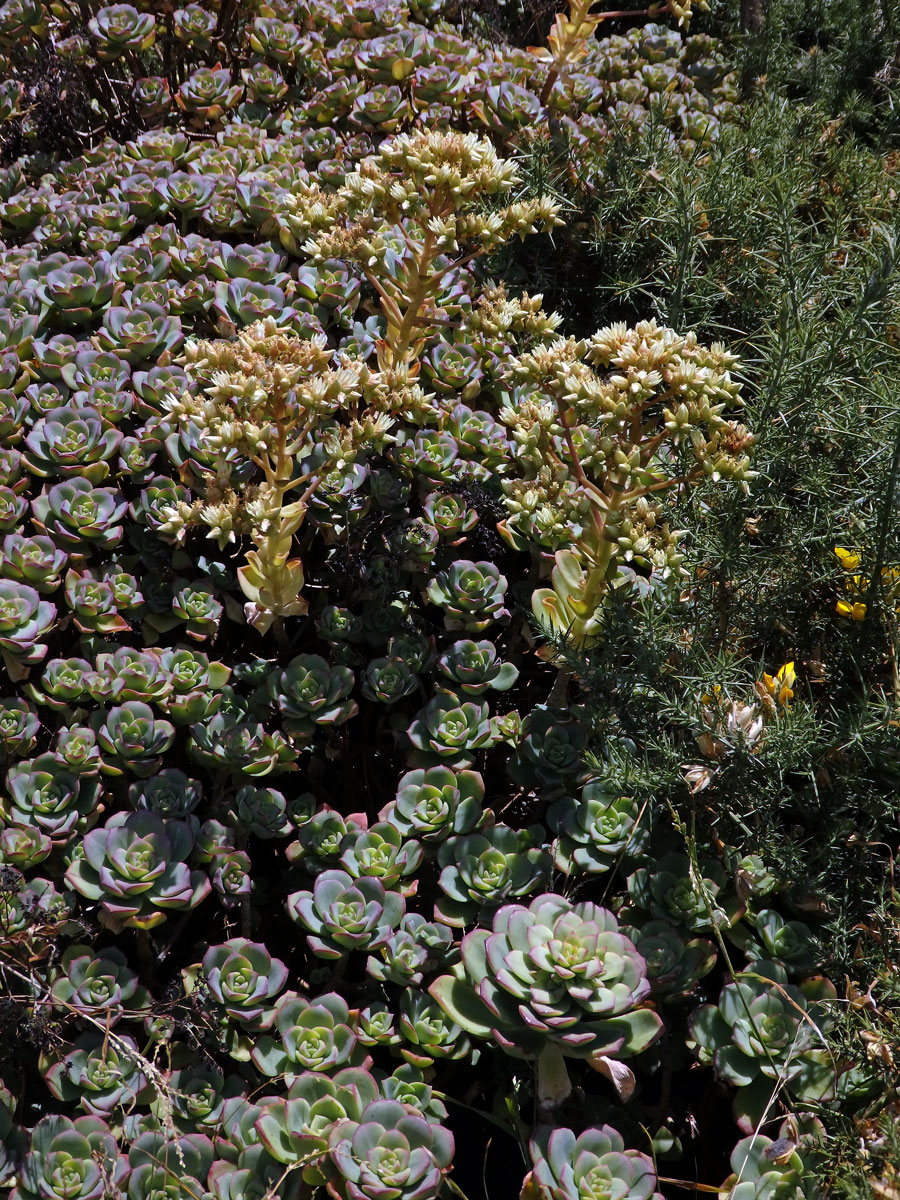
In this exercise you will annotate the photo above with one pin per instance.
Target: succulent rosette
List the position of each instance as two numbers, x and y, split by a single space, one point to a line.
19 725
595 830
24 620
261 811
135 868
553 973
244 978
77 516
343 913
390 1151
101 1073
98 983
35 561
471 595
310 693
789 1165
412 949
131 738
200 1092
69 1160
229 871
474 667
481 871
120 27
592 1166
766 1032
435 802
776 939
550 747
43 793
23 846
380 852
427 1032
72 442
388 680
163 1165
675 964
668 891
296 1130
314 1035
449 731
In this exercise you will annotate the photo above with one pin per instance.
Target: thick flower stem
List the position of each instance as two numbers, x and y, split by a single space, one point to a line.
553 1083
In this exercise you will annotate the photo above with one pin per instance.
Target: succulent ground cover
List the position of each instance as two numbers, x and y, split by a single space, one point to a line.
349 845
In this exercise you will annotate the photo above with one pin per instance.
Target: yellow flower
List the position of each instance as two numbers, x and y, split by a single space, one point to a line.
856 612
849 559
780 686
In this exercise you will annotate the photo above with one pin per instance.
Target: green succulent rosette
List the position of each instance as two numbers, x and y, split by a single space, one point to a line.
555 977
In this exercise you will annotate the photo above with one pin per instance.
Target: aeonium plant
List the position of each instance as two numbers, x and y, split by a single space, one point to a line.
297 410
550 981
605 430
271 321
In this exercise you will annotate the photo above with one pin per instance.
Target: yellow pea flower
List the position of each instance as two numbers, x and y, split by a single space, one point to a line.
855 611
780 686
849 559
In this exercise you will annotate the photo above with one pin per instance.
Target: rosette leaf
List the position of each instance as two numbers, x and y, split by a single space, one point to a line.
592 1166
554 974
135 868
450 731
243 978
436 802
481 871
343 913
314 1036
391 1151
765 1032
471 595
